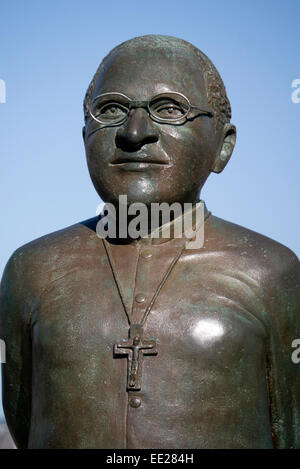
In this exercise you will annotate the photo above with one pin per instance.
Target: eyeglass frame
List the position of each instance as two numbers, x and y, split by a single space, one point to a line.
146 105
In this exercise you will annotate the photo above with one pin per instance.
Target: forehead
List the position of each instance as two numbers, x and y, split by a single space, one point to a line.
141 72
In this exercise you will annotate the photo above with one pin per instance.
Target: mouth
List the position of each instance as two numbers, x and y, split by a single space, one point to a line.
139 163
139 166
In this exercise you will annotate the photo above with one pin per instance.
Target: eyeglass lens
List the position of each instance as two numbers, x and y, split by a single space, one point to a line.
113 107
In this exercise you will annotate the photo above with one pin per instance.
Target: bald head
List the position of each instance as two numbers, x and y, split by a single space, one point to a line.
145 47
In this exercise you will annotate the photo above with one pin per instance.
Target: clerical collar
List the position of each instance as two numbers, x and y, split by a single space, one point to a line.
193 218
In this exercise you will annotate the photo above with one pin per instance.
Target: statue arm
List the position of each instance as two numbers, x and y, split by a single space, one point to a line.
15 331
283 373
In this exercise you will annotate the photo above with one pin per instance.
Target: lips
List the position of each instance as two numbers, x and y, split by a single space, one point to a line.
141 158
143 161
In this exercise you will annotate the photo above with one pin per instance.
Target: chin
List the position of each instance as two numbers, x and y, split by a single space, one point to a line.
132 198
142 190
145 198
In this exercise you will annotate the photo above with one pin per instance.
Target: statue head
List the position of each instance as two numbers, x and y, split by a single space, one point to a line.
157 122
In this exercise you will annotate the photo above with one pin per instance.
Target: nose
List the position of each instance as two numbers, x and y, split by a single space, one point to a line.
137 131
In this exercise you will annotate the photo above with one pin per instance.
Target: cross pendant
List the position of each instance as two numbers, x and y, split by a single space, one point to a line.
134 349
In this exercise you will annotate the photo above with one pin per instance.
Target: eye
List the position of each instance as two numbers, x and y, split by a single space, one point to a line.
110 111
168 110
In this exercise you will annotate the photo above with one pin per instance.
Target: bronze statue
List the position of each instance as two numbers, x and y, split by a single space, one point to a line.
207 362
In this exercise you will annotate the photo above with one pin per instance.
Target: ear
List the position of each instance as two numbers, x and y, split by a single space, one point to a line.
225 149
83 133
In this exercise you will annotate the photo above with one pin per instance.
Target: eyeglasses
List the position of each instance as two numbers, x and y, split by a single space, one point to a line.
112 109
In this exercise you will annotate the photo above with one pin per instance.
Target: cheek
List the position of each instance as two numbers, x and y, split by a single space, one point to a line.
100 146
192 151
190 146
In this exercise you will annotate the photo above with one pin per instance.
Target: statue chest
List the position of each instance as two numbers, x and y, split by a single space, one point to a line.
205 387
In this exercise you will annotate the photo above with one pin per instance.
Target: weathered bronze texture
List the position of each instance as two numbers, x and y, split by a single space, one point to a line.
223 321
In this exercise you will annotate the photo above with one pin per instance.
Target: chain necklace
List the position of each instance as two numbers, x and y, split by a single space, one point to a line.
135 347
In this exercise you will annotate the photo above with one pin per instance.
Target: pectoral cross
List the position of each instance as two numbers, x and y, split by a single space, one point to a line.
134 349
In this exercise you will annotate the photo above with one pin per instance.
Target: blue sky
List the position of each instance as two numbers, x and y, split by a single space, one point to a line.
49 52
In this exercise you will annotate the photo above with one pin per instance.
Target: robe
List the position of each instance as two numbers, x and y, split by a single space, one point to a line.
224 323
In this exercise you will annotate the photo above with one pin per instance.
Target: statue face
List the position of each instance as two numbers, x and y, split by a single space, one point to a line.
146 160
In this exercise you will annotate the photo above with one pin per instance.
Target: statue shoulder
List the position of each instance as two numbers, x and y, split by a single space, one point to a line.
274 263
34 263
